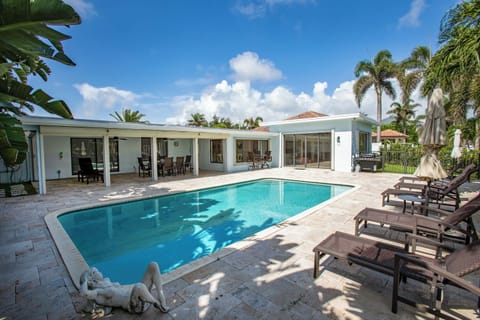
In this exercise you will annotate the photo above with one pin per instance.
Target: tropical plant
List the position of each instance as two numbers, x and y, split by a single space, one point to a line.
410 72
128 115
251 123
26 39
218 122
375 74
455 67
197 120
403 113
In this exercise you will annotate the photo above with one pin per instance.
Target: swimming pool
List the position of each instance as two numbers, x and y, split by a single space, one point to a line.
174 230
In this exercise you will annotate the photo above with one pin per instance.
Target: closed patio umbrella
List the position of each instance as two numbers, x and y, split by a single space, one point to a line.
457 150
433 138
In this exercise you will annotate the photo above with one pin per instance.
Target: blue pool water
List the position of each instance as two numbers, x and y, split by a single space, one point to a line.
121 239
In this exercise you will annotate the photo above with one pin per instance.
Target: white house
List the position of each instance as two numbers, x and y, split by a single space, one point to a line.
307 140
314 140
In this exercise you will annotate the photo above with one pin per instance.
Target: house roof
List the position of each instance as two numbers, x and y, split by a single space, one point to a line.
307 115
122 127
351 116
389 133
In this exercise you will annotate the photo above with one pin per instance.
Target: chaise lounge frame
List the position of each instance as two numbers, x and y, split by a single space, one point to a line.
398 263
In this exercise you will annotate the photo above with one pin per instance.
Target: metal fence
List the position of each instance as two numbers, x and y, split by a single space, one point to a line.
406 161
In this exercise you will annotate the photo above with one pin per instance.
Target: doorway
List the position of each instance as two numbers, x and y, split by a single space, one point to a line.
313 150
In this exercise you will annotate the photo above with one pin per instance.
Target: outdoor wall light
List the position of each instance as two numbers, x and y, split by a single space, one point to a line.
338 139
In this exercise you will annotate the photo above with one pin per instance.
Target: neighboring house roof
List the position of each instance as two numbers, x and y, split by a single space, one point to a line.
390 134
306 115
261 128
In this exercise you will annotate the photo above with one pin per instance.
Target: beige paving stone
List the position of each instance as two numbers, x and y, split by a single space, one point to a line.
271 278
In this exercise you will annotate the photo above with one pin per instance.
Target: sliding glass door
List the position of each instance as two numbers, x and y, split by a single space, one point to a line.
308 150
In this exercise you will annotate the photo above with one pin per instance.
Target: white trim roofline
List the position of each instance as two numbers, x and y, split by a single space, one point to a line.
321 119
85 123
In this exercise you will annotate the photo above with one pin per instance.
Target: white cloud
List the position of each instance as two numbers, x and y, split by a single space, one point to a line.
412 18
239 100
253 9
82 7
104 100
248 66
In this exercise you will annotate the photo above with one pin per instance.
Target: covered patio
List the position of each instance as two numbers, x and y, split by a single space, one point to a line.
268 276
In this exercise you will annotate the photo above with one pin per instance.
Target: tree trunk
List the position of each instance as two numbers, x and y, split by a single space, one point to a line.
477 127
379 114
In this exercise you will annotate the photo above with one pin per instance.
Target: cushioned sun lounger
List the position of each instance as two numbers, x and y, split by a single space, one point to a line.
440 193
445 223
397 262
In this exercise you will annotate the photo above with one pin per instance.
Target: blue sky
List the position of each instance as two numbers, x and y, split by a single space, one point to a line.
233 58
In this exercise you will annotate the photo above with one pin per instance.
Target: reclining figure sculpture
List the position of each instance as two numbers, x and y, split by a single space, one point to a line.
130 297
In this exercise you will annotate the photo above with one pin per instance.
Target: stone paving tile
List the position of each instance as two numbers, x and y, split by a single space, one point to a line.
269 279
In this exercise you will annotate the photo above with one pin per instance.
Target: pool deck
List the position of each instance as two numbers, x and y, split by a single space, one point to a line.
269 277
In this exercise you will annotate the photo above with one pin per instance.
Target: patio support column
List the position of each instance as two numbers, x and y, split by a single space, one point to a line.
280 150
106 161
333 148
195 157
42 181
154 159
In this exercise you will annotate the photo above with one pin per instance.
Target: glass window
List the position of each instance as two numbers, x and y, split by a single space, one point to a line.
93 148
243 147
216 151
363 142
162 147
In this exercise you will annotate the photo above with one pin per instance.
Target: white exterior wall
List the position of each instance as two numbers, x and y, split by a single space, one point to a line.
128 152
53 163
183 148
341 152
204 156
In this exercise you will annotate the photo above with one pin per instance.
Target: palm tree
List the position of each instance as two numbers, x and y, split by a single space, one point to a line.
218 122
128 115
403 113
251 123
375 74
26 38
411 71
197 120
455 67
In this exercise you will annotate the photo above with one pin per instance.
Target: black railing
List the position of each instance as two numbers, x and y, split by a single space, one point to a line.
406 161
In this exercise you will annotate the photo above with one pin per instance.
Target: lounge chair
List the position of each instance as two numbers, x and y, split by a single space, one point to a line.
144 167
447 224
387 259
87 171
440 193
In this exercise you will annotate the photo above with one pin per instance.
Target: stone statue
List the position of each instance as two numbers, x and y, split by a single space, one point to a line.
131 297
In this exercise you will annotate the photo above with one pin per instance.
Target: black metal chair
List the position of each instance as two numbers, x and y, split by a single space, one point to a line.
188 163
87 171
144 167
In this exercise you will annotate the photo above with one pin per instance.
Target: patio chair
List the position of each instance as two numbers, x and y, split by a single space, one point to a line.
267 159
144 167
180 165
188 163
447 224
168 168
87 171
438 192
254 159
387 259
